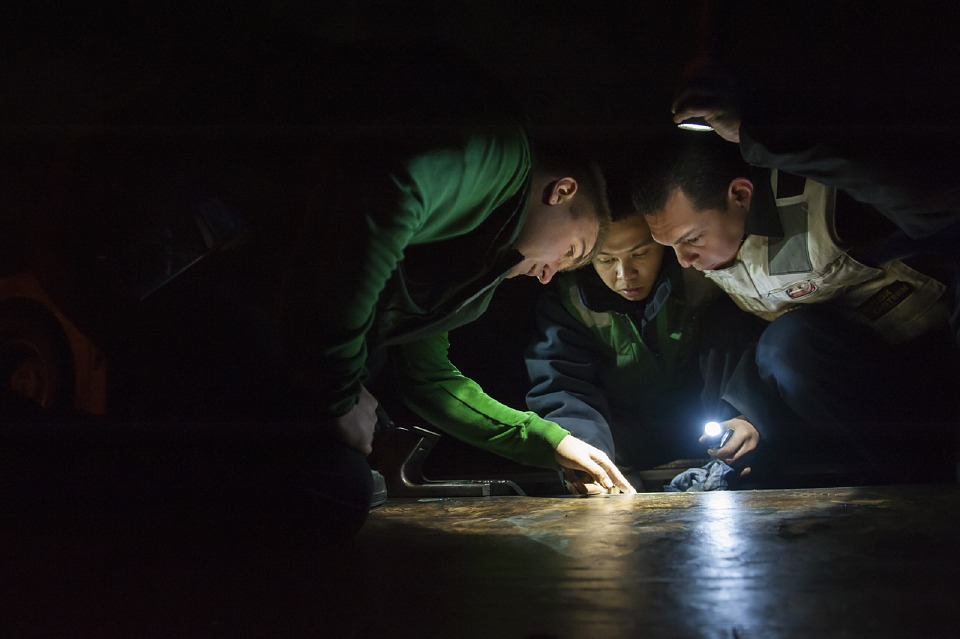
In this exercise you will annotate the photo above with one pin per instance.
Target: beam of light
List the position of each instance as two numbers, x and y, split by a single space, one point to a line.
723 544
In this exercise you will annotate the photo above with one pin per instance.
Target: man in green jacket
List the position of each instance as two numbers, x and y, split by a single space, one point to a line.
429 206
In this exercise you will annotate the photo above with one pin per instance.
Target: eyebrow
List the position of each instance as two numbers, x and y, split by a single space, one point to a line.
581 259
683 238
649 240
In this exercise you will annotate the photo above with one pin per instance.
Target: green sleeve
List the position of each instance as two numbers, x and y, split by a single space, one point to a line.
357 238
433 388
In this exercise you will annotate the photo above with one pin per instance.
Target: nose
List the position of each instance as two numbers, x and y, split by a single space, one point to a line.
686 256
626 270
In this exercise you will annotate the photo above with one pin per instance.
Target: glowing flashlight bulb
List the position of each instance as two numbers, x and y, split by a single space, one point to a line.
716 434
711 429
695 124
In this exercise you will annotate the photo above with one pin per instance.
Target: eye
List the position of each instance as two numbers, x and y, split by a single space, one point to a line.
606 261
695 240
640 255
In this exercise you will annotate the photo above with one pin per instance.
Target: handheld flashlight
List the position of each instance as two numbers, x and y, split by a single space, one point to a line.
716 434
695 124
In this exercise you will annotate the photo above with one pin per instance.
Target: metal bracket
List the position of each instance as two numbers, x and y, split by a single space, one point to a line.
407 478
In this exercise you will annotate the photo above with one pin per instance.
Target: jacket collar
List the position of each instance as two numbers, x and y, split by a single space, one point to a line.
763 218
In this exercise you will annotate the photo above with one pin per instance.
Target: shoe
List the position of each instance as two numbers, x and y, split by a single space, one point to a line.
379 490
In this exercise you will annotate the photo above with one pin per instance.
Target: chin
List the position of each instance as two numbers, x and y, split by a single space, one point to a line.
716 266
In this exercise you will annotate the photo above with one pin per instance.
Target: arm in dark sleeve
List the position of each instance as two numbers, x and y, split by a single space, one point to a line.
904 172
352 240
563 361
732 384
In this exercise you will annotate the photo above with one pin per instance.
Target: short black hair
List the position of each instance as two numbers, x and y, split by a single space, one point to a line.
702 165
620 161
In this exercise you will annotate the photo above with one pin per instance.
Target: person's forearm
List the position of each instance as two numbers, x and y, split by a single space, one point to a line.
433 388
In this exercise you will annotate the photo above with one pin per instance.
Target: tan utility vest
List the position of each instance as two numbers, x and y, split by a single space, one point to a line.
773 275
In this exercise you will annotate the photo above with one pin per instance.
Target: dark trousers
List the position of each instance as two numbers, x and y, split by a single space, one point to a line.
821 387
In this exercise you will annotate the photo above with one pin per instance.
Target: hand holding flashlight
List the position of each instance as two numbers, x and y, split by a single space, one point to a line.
731 440
724 120
708 100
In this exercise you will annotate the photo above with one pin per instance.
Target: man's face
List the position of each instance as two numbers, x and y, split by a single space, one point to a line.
707 239
629 261
552 240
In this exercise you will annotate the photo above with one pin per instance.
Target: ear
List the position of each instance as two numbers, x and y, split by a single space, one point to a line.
740 193
561 190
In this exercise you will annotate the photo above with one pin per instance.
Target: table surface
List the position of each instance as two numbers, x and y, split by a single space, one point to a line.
840 562
831 562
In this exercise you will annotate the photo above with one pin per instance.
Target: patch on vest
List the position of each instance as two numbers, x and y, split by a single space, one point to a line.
801 289
884 300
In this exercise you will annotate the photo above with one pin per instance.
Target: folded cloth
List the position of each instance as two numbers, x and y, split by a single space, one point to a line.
712 476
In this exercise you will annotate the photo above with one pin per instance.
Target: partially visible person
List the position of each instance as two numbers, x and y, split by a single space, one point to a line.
856 345
840 95
901 178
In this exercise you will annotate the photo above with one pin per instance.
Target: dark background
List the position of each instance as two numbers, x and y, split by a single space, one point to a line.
609 65
573 64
